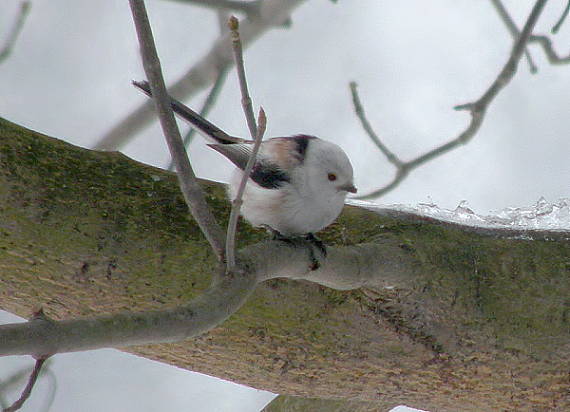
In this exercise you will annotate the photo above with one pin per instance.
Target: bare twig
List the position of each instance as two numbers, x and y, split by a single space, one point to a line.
558 24
187 180
551 55
248 7
392 158
16 30
477 108
28 389
236 204
510 67
542 40
233 24
206 107
212 95
256 133
272 13
513 29
40 368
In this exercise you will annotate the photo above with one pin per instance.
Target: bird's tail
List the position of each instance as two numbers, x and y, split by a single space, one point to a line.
202 125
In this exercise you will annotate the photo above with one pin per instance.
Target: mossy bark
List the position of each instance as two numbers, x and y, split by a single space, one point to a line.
483 324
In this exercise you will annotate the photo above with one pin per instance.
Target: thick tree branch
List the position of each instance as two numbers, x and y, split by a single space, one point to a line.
272 13
376 265
477 109
187 179
87 235
125 329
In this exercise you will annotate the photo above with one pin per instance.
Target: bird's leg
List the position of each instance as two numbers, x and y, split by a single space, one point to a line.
275 235
317 242
312 240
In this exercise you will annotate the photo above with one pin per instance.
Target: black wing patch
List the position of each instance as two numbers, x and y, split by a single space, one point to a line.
269 175
266 174
302 142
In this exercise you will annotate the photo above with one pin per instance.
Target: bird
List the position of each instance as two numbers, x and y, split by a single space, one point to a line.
298 184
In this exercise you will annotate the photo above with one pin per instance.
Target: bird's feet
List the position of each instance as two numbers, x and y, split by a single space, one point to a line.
318 243
309 240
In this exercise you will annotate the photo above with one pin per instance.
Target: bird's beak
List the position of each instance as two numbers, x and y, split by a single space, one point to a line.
348 188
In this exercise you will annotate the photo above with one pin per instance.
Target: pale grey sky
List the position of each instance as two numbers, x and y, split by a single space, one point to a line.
70 73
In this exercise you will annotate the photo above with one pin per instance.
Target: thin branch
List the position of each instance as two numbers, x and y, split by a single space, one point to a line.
187 180
513 29
510 67
551 55
477 108
272 13
201 314
206 107
212 95
248 7
558 24
28 389
236 204
256 134
392 158
16 30
233 24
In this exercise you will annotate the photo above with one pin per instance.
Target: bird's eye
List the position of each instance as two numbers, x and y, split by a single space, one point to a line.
332 177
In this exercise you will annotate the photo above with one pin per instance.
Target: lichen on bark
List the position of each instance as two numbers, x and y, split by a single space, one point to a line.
481 321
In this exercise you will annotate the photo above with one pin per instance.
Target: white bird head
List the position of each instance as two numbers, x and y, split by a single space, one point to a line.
328 170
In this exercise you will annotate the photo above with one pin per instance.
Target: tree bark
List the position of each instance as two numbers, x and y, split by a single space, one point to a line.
463 321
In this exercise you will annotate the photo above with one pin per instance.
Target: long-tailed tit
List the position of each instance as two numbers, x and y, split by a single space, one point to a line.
298 184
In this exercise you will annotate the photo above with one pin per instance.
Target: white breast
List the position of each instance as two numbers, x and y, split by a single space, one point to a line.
285 209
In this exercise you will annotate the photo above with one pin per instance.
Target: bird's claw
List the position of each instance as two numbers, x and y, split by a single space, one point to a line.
313 243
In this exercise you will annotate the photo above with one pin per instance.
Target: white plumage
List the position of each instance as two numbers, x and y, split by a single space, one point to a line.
298 184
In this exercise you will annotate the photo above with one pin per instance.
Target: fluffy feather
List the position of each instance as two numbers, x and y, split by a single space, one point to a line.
298 184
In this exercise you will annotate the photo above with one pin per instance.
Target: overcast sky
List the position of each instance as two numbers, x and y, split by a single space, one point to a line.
69 77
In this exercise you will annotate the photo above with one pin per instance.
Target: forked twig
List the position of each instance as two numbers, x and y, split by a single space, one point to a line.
510 67
256 132
558 24
551 55
477 108
233 24
30 385
186 178
236 204
16 30
513 30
